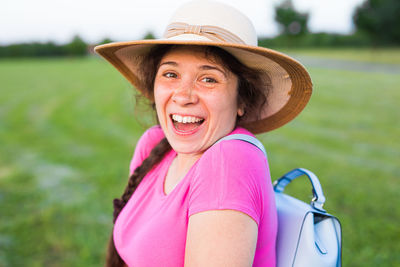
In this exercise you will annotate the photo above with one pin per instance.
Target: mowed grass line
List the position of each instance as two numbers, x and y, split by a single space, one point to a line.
68 129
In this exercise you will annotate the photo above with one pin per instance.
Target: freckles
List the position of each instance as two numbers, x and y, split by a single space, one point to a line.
162 98
160 90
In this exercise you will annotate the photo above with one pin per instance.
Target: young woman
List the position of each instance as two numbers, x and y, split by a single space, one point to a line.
190 201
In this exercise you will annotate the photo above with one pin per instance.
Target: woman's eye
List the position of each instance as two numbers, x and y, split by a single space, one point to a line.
209 80
170 75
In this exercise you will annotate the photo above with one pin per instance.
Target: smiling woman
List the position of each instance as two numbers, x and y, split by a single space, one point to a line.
190 200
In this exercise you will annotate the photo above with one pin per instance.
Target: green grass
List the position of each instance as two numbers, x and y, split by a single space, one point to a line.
68 129
377 55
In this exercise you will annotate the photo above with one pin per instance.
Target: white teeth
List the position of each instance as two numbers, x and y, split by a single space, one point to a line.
185 119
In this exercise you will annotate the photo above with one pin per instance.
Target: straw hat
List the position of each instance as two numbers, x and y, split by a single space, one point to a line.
213 23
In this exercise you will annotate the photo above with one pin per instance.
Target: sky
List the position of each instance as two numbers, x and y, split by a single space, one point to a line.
124 20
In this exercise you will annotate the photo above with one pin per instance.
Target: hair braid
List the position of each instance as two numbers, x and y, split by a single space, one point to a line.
156 154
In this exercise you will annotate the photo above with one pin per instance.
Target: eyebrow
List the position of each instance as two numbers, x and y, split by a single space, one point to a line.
208 67
202 67
173 63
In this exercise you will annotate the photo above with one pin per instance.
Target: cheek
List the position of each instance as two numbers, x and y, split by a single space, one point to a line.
224 106
160 95
160 100
231 97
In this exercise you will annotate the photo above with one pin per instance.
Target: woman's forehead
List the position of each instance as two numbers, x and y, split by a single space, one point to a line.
186 51
194 52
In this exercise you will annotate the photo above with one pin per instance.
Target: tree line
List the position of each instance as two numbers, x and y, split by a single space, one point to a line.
77 47
377 23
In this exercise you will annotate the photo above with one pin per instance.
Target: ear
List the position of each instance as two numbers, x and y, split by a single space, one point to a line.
240 111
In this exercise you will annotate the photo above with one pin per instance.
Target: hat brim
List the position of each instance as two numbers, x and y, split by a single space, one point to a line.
291 83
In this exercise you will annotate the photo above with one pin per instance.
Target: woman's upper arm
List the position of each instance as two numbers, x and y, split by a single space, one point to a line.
220 238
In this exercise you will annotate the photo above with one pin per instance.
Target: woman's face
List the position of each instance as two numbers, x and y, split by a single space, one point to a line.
196 100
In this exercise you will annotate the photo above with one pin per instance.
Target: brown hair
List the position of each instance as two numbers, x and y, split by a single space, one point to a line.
250 96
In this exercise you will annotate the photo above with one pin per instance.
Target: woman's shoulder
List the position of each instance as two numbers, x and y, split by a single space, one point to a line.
150 138
231 174
237 153
235 147
152 135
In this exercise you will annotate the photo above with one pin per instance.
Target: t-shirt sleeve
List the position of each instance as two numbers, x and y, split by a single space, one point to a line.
146 143
230 175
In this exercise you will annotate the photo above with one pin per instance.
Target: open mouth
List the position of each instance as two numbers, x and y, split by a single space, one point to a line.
186 124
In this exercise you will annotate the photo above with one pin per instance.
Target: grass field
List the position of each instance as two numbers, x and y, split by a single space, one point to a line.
377 55
68 128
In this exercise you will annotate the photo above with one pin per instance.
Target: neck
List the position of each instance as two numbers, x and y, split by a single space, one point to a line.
185 161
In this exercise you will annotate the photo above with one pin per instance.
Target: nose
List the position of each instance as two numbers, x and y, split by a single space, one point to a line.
185 94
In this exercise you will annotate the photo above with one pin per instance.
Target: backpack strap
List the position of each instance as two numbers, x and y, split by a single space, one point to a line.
318 199
244 137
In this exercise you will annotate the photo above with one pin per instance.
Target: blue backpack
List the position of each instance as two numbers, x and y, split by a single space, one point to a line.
308 236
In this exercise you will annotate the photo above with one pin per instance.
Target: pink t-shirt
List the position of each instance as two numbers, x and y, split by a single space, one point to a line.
151 229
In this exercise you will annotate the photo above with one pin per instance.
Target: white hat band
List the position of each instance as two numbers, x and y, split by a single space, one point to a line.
213 33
